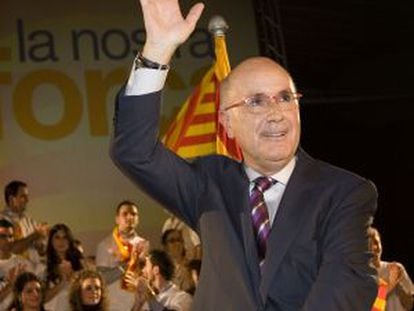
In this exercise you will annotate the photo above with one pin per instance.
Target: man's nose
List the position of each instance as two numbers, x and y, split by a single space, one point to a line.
274 112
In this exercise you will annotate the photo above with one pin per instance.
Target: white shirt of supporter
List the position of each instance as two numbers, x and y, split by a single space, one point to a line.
7 264
393 302
119 299
27 226
107 254
170 297
60 302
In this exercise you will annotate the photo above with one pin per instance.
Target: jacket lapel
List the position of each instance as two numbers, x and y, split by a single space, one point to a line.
289 218
237 203
250 248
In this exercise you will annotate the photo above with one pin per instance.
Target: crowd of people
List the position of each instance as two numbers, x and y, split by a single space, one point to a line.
280 230
44 267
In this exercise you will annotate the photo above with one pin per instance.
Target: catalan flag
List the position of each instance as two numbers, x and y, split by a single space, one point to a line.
381 300
196 130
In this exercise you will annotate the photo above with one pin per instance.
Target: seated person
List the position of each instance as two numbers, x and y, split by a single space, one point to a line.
27 293
173 244
11 265
154 289
63 259
191 239
88 292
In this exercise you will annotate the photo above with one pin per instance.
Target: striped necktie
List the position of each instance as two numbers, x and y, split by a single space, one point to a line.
260 214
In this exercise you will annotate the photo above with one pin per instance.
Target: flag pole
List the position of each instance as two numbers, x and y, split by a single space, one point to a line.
218 28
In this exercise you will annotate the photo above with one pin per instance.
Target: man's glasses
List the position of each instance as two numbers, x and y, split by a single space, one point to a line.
261 103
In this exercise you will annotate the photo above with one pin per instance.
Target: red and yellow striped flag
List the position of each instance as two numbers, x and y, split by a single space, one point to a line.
196 130
381 300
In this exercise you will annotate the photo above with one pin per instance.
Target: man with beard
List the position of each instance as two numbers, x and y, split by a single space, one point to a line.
114 252
154 290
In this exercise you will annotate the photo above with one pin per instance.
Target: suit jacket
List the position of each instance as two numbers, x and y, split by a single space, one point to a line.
317 254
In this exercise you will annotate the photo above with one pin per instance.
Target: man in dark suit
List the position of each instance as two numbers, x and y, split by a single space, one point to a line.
303 243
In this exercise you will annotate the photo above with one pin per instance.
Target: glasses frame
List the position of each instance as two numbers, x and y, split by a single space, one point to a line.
243 102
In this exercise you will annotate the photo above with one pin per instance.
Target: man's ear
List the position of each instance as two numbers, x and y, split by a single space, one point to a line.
224 119
156 270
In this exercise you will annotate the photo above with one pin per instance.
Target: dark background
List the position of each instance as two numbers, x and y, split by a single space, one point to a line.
353 61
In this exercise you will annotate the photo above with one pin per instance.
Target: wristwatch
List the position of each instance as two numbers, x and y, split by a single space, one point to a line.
143 62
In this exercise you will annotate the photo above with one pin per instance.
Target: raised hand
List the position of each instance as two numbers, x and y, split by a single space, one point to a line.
142 247
166 28
42 230
14 272
132 279
144 291
65 269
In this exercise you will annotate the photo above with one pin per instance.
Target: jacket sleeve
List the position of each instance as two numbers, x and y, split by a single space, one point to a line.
137 151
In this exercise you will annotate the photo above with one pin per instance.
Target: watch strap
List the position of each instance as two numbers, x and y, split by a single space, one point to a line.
143 62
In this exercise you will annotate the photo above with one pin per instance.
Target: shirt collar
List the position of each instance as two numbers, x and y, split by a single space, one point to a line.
166 287
10 213
282 176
